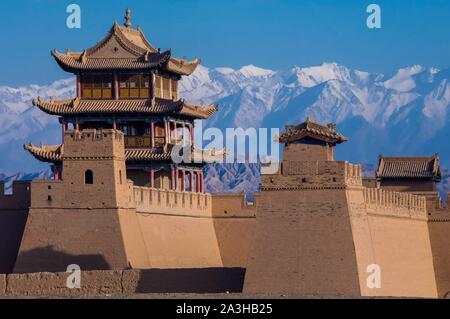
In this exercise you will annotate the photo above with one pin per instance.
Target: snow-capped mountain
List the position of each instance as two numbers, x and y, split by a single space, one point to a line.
402 113
405 113
9 179
238 177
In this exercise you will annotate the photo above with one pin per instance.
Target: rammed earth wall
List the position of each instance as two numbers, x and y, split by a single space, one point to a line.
124 282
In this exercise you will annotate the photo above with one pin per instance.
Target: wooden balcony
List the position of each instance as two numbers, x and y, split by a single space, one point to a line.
143 141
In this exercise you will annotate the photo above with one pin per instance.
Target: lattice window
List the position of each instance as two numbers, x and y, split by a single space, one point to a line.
174 90
133 86
96 86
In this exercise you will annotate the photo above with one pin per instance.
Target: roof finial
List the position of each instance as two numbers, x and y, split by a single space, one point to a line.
127 18
310 119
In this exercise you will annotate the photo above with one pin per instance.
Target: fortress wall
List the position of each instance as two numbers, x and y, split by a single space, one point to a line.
123 282
13 217
307 152
178 228
234 220
314 174
183 229
19 199
164 201
70 222
400 243
179 241
55 238
439 229
362 239
303 244
72 192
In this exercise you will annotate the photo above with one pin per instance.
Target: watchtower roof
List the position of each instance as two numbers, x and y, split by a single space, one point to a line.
311 129
78 106
123 48
409 167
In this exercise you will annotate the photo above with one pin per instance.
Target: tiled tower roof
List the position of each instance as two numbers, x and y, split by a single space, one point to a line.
313 130
80 106
123 48
55 154
409 167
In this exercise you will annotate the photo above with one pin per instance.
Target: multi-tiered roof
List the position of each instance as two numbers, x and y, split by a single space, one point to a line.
125 83
124 49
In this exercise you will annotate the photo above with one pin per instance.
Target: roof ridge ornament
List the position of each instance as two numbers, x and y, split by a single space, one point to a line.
127 18
83 57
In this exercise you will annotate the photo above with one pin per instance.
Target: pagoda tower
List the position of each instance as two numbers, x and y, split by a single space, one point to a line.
125 83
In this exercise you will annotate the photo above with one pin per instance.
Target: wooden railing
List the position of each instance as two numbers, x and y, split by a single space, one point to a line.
144 141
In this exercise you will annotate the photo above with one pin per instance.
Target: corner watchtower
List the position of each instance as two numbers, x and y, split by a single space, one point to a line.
310 141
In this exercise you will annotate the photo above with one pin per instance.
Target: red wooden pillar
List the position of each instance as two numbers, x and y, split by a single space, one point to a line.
183 180
114 125
175 133
183 135
151 90
116 86
191 180
166 132
63 131
196 181
55 172
191 135
78 86
152 131
172 178
201 181
152 178
176 179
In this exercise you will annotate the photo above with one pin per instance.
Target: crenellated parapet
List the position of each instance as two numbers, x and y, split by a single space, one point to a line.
93 144
383 202
353 174
170 202
313 175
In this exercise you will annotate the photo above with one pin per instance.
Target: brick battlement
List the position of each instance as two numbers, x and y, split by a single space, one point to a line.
169 202
93 143
313 175
398 204
353 174
162 201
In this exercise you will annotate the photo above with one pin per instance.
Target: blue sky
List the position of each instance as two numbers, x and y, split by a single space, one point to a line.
268 33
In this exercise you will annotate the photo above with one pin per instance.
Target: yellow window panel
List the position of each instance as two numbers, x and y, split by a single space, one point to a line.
124 93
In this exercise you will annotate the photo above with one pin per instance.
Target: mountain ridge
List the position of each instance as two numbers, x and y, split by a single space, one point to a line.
402 113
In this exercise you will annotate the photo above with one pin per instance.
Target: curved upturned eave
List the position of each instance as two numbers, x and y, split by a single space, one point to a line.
43 154
72 64
54 154
182 67
77 106
333 139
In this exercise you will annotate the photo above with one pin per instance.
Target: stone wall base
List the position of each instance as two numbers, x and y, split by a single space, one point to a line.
123 282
